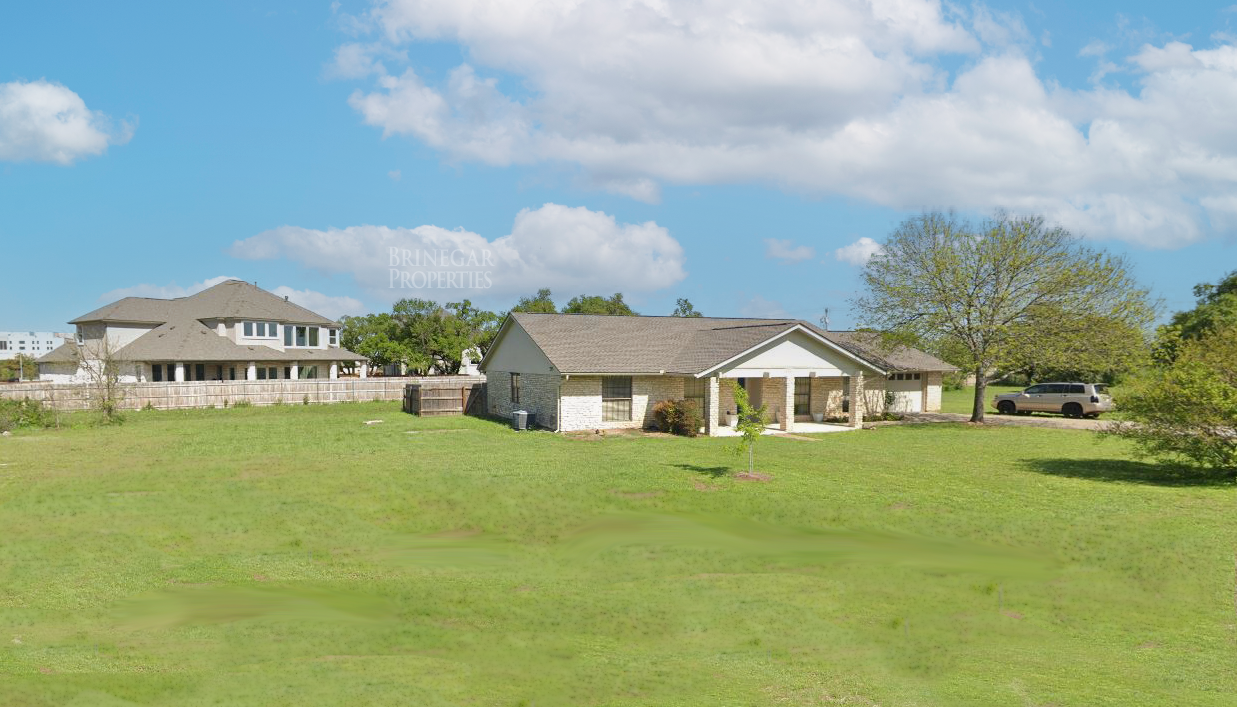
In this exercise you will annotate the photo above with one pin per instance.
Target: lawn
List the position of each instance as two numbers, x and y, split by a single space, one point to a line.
962 400
294 556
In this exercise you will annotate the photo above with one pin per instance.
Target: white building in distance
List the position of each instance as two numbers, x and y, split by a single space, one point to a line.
30 343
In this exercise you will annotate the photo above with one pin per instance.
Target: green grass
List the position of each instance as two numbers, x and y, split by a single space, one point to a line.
293 556
961 401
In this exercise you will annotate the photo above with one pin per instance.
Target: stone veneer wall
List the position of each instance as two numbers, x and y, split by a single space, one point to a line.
932 391
538 395
581 403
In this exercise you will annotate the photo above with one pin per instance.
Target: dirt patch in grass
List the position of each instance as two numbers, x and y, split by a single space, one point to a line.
752 476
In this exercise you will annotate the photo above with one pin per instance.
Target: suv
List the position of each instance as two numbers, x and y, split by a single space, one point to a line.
1069 399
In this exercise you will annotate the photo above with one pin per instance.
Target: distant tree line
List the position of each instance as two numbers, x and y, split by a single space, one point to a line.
429 338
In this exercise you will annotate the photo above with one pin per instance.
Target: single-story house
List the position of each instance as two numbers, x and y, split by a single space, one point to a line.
232 331
586 371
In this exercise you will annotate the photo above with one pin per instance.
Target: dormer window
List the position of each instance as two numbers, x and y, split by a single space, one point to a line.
261 330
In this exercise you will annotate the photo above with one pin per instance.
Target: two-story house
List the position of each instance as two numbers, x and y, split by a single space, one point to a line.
232 331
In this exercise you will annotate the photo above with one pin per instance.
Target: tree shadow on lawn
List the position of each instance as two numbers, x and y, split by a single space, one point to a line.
1126 471
712 471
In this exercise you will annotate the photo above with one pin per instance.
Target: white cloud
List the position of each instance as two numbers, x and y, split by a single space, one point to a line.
169 291
759 307
394 175
570 250
859 252
326 305
833 97
46 122
787 251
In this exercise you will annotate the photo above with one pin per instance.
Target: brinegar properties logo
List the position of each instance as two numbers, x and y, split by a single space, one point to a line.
440 269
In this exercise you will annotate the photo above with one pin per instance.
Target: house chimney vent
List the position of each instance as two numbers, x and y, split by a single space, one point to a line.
285 298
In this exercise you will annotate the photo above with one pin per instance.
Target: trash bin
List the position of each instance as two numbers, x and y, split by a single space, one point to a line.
521 419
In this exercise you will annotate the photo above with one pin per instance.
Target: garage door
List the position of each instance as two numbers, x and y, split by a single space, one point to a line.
907 392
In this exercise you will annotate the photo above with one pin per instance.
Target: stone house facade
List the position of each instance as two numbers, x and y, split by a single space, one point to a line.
594 372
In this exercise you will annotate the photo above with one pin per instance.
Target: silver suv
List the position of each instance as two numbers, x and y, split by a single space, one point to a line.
1069 399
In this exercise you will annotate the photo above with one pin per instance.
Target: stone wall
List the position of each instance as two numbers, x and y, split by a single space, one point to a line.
933 381
581 401
538 395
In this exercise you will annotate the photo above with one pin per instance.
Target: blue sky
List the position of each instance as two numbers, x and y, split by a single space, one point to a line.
725 152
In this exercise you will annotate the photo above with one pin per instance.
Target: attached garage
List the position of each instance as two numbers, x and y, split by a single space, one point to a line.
907 390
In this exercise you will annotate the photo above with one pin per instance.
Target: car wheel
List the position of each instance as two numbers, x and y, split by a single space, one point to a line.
1072 410
1006 407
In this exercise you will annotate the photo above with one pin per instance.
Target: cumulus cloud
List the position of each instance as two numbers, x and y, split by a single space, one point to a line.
42 121
832 97
571 250
787 251
859 252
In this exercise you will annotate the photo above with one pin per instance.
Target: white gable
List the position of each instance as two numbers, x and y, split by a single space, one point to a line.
798 353
516 352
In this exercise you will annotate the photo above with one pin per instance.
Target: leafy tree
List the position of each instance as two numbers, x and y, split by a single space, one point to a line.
684 308
20 366
541 303
480 325
751 423
596 304
988 286
1092 348
1216 307
1187 410
374 336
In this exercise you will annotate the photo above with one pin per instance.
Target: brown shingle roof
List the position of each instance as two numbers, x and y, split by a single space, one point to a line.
595 343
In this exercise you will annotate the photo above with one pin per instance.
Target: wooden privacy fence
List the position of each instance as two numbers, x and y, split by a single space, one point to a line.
204 394
444 397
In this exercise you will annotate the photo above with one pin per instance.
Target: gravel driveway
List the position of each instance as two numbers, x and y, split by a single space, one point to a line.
1055 421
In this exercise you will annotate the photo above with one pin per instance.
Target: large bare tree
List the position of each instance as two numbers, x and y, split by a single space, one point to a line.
984 286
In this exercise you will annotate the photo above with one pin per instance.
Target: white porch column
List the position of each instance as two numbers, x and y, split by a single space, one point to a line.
788 404
296 371
251 371
180 372
364 370
856 399
334 370
712 407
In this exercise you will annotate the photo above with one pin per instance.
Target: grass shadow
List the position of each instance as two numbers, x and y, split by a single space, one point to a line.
1126 471
711 471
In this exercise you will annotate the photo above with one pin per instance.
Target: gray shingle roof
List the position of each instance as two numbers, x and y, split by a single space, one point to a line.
181 336
64 353
595 343
231 299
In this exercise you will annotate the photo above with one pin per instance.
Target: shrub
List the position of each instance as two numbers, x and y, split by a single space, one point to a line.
242 404
1186 411
24 413
680 417
305 400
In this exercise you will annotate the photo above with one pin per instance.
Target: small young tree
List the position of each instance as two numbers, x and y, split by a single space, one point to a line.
96 360
750 425
1187 410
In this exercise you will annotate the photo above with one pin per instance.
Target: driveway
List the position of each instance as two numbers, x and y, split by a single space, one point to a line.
1054 421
